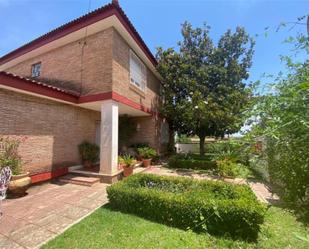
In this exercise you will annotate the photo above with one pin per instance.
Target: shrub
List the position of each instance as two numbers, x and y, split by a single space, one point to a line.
191 162
89 152
9 153
228 168
203 206
235 150
146 152
126 160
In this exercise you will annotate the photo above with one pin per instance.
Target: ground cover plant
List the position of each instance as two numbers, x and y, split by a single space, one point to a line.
106 228
191 161
203 206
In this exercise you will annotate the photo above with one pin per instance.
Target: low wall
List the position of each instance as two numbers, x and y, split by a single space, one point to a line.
187 148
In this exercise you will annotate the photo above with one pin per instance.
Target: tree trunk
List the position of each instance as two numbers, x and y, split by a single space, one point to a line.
202 145
171 141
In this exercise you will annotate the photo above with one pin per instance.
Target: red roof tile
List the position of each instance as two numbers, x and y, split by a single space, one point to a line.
38 83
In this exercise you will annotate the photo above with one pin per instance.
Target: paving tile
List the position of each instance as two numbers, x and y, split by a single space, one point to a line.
74 212
58 224
90 203
6 243
31 235
31 220
9 224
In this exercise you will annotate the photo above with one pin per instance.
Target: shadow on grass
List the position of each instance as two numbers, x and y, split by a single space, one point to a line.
252 240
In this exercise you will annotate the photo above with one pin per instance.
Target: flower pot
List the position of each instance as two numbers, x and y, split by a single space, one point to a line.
127 171
19 185
146 162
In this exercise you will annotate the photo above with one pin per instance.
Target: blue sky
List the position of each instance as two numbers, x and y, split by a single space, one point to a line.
158 22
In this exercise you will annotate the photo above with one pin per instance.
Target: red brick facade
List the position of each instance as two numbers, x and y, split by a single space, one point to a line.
98 64
53 130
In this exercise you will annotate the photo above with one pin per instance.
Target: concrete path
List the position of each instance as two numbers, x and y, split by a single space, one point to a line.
47 211
262 192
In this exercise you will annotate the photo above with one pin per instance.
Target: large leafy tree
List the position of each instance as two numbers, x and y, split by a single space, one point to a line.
203 84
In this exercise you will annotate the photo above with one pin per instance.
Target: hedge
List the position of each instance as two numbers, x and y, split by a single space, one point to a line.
191 162
203 206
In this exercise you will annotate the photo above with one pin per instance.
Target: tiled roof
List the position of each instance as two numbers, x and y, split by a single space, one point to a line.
39 83
114 8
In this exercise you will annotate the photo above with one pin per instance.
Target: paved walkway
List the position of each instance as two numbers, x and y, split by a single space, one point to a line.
47 211
262 192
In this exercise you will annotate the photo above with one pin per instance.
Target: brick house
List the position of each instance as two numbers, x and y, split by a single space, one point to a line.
72 84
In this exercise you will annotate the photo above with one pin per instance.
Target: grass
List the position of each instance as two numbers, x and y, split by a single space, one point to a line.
109 229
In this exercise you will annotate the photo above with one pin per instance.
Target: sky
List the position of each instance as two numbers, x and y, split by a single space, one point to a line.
159 22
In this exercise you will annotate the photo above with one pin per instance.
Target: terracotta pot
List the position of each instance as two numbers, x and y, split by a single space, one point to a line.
127 171
146 162
19 185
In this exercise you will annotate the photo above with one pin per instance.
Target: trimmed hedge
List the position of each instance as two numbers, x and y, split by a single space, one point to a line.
191 162
203 206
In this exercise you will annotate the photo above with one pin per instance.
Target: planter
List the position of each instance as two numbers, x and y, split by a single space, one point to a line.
127 171
19 185
146 162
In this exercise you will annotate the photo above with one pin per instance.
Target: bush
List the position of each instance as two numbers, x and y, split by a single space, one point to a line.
228 168
191 162
203 206
146 152
126 160
9 156
89 152
235 150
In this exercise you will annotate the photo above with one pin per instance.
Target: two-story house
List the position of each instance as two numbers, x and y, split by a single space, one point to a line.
72 84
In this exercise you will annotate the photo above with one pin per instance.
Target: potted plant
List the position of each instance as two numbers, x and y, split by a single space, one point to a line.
20 181
127 162
89 153
146 153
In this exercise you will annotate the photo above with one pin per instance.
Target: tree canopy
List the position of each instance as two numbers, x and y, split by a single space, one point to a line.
203 90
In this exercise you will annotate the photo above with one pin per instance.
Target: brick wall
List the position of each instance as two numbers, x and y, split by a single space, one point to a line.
53 130
152 131
63 66
121 76
105 68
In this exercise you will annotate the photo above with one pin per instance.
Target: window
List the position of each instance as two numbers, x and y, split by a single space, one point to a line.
138 75
36 70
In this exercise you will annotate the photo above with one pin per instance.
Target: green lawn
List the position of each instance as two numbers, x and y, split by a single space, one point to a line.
110 229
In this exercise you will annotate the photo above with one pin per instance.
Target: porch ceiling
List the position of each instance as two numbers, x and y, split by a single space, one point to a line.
123 109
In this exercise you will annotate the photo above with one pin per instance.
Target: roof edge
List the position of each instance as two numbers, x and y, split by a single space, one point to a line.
79 23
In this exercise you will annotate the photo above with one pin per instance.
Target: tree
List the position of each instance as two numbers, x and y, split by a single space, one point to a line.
283 121
203 89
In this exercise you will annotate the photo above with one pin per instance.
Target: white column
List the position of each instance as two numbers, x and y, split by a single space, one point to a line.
109 138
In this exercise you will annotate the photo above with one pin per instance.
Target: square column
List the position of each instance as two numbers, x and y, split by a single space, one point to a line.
109 138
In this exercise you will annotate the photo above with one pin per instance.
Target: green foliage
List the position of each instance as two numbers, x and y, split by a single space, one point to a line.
127 128
228 168
9 154
182 138
203 91
277 232
89 152
126 160
146 152
191 161
283 123
234 150
205 206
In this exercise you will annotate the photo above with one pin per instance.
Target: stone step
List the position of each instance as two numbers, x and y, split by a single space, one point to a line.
79 180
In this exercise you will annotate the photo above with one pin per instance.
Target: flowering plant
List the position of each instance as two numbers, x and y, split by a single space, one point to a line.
9 153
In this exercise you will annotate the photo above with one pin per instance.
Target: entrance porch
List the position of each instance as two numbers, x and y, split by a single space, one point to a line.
107 137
